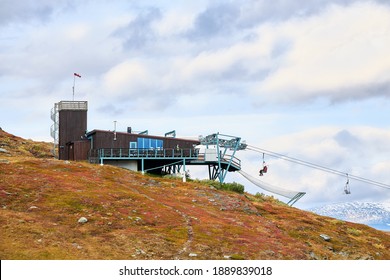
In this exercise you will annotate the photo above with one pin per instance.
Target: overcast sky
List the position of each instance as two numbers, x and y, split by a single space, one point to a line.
309 79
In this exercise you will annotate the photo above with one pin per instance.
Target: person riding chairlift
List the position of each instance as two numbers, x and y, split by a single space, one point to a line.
346 188
264 169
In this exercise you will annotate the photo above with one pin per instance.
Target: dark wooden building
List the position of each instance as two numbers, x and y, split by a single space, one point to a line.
72 128
118 148
112 139
138 151
135 151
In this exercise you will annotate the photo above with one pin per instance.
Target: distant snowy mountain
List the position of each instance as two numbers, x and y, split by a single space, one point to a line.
376 215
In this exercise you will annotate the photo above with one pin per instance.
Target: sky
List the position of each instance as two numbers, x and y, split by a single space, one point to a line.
308 79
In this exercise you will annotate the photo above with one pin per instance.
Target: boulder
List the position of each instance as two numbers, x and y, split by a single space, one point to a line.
83 220
325 237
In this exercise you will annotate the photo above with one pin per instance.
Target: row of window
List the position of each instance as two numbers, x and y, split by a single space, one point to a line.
147 143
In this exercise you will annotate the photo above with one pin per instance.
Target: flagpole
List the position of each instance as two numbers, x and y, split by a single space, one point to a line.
74 83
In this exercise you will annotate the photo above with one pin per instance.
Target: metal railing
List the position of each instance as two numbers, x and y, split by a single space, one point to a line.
234 161
72 105
134 153
146 153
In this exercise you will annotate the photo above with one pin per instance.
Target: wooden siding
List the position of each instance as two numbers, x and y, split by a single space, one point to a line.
72 127
78 150
105 139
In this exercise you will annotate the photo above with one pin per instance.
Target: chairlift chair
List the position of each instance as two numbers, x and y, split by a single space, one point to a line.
346 187
264 169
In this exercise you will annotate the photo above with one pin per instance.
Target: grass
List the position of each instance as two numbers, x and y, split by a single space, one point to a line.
131 216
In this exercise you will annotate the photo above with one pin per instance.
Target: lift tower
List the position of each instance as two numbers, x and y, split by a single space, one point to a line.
216 153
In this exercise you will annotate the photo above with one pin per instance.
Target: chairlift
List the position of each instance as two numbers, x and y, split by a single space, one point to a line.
264 169
346 187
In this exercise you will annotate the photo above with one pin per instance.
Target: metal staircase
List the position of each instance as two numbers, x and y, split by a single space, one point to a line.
54 128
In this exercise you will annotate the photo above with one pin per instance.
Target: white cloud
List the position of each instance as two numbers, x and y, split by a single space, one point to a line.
249 57
174 22
126 78
343 47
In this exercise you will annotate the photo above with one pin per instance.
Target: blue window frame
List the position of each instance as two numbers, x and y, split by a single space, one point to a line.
133 145
149 143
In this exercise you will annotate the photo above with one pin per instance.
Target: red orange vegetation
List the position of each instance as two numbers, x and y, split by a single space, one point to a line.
131 216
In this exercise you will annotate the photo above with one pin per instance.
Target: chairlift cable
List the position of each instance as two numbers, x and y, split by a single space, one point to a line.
318 167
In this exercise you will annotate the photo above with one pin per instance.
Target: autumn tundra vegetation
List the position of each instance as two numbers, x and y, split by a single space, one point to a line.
52 209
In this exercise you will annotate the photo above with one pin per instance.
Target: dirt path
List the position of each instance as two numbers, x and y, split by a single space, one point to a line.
183 252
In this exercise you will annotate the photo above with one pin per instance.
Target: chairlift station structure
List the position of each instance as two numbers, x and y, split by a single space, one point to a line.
140 151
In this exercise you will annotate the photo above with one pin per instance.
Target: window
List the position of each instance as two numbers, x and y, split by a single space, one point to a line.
149 143
133 145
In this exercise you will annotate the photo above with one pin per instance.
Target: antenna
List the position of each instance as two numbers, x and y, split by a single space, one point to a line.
114 130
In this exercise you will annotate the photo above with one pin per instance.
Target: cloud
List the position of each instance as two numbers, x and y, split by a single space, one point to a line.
331 55
231 17
224 18
214 21
126 78
139 31
139 84
344 138
30 10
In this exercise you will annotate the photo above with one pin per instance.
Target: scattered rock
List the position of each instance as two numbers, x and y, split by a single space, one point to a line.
4 144
227 257
7 193
314 256
4 161
32 208
140 252
366 257
193 255
152 182
83 220
325 237
2 150
77 246
344 254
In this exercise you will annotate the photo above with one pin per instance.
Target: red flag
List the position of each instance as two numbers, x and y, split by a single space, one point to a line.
78 75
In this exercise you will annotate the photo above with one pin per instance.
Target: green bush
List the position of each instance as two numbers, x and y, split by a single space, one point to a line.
234 187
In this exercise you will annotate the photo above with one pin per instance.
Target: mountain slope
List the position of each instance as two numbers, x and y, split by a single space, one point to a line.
373 214
131 216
